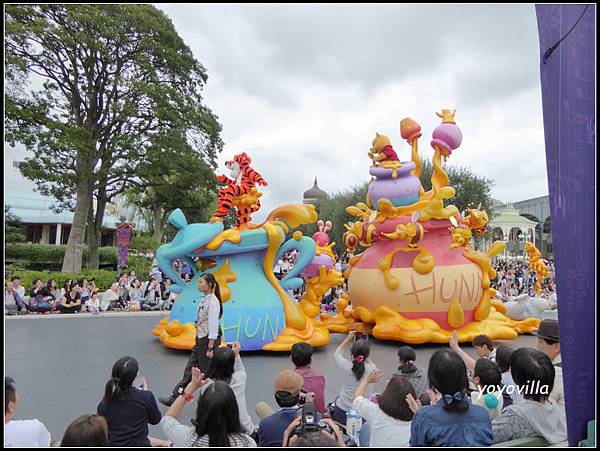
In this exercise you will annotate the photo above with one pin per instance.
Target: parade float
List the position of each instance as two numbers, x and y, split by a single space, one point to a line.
257 308
418 279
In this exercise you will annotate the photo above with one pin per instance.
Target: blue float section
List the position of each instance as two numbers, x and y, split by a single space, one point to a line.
254 313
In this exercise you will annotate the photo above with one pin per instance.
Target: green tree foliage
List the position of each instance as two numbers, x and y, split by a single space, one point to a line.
12 231
172 178
117 81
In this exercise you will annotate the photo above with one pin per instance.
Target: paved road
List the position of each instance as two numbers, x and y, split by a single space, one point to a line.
61 364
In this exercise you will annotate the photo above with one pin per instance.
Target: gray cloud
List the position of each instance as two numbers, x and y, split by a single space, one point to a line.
303 88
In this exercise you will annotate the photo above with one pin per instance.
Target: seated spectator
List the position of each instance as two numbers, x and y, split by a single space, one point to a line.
10 304
87 430
503 354
136 295
131 278
152 296
85 289
53 294
112 298
156 274
313 439
168 298
123 284
314 381
409 369
288 387
389 418
483 347
226 365
549 344
217 421
452 420
489 394
93 304
21 433
537 415
128 410
20 289
352 372
14 295
37 301
71 300
187 277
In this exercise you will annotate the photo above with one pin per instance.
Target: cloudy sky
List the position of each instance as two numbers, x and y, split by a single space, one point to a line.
304 88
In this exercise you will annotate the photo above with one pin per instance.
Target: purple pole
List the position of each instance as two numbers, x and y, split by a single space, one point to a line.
568 100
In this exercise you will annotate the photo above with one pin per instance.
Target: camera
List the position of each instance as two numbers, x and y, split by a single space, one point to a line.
310 421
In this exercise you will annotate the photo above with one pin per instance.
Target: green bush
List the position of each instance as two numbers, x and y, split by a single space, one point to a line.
103 278
141 265
52 254
144 244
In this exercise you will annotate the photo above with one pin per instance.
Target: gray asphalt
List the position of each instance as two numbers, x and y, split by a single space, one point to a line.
62 363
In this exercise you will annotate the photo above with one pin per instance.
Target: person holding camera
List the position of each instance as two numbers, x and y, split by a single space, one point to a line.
388 419
208 334
303 433
289 397
353 371
314 381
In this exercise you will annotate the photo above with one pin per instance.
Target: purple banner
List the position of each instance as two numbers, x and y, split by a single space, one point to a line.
124 232
568 75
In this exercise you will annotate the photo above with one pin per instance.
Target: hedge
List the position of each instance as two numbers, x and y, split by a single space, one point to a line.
141 265
48 253
103 278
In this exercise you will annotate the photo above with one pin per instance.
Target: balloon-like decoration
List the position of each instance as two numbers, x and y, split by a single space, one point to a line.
257 310
536 265
418 280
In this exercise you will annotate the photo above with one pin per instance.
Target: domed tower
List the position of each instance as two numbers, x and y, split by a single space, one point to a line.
314 195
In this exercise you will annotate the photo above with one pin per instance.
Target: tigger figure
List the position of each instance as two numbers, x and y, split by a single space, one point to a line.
243 180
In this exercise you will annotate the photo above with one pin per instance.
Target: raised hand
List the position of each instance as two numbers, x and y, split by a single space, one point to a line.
375 376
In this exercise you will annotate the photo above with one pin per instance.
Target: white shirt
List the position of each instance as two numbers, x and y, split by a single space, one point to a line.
349 382
26 433
21 291
185 436
558 391
386 431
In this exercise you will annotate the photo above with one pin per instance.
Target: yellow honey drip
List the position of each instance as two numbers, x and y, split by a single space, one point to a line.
456 315
316 288
231 235
224 275
393 165
424 262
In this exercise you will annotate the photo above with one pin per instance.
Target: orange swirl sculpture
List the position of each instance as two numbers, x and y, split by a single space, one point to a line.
418 279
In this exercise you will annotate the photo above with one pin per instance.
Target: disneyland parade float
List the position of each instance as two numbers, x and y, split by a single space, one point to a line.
417 281
258 310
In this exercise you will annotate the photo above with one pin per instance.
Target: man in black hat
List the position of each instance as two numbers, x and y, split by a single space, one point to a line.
549 344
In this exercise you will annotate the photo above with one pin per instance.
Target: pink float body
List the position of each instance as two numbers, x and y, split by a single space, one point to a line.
437 241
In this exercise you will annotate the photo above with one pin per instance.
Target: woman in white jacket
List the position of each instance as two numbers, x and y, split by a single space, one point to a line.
226 365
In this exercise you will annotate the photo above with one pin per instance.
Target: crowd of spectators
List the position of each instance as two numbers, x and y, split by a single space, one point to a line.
514 278
127 293
459 401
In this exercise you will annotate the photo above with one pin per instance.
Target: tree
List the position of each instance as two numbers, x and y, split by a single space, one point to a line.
118 80
171 178
12 229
